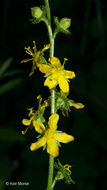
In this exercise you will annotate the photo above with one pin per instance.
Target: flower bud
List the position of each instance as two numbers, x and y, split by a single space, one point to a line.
65 23
36 12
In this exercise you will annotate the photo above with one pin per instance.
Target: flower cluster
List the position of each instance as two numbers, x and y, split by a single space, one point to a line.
55 75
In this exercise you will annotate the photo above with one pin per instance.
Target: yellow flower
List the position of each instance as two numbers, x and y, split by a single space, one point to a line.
76 105
50 136
33 114
57 74
36 60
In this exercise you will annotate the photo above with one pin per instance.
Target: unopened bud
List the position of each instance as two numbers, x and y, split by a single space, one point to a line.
36 12
65 23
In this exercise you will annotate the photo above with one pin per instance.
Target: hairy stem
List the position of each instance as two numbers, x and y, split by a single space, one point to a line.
51 39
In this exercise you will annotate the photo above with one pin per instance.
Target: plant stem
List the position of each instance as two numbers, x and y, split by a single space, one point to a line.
52 101
48 11
51 39
50 175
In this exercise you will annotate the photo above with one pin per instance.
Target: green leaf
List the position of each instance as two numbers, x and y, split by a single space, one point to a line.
9 85
9 134
5 66
12 73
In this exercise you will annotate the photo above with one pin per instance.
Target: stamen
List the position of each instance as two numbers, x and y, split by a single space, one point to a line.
27 48
31 111
26 60
31 73
39 98
67 167
65 59
25 131
29 52
34 44
45 47
34 47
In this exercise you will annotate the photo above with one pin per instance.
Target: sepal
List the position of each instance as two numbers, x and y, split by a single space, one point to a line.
62 25
62 173
62 103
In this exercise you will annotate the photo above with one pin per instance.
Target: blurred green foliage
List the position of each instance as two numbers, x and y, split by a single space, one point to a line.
86 50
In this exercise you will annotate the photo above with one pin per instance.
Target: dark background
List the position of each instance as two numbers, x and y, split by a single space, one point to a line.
86 50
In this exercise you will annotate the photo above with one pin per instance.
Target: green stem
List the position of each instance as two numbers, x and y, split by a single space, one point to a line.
48 24
51 158
48 11
50 174
51 39
52 101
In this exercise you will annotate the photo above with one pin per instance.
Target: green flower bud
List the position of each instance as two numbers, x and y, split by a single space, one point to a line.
65 23
36 12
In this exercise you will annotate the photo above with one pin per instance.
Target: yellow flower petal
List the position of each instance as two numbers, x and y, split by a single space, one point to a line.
39 127
45 68
63 84
52 148
53 120
50 82
26 122
63 137
55 62
69 74
76 105
41 142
